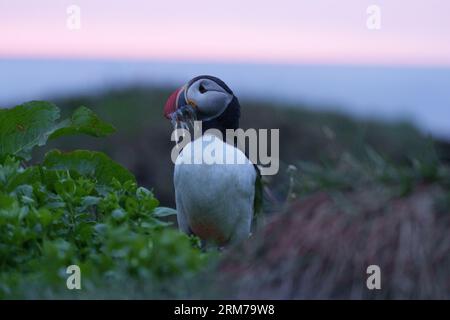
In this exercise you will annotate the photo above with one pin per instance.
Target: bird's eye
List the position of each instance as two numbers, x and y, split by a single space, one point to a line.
202 89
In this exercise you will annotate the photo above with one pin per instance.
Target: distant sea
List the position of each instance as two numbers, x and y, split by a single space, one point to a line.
420 95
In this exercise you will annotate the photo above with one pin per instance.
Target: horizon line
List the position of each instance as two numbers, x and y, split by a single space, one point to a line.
231 61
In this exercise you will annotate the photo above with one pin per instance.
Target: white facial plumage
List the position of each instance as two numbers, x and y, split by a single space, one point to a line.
209 97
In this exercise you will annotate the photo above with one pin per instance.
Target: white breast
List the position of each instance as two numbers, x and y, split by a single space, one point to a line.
214 189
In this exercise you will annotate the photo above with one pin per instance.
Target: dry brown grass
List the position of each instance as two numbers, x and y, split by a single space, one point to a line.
321 246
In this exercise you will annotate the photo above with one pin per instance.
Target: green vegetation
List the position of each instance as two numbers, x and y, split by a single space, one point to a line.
307 133
371 170
359 191
80 208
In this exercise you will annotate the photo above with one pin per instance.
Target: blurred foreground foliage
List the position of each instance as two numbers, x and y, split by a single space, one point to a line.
80 208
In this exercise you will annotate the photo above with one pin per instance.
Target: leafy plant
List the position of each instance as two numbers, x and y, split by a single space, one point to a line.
31 124
78 208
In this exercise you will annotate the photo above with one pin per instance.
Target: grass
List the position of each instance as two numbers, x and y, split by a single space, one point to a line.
342 218
350 193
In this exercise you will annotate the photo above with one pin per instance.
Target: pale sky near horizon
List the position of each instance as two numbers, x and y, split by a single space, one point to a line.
321 31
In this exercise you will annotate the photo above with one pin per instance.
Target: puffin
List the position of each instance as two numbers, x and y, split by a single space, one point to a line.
215 201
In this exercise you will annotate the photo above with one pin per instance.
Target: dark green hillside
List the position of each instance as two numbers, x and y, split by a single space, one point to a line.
143 145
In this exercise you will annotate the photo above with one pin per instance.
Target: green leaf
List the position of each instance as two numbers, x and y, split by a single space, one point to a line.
88 163
89 201
28 176
118 214
26 126
164 212
6 201
31 124
84 121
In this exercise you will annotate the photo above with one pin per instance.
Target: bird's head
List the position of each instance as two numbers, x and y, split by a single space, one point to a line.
207 99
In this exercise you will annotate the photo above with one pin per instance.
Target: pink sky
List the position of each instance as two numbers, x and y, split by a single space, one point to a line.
316 31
